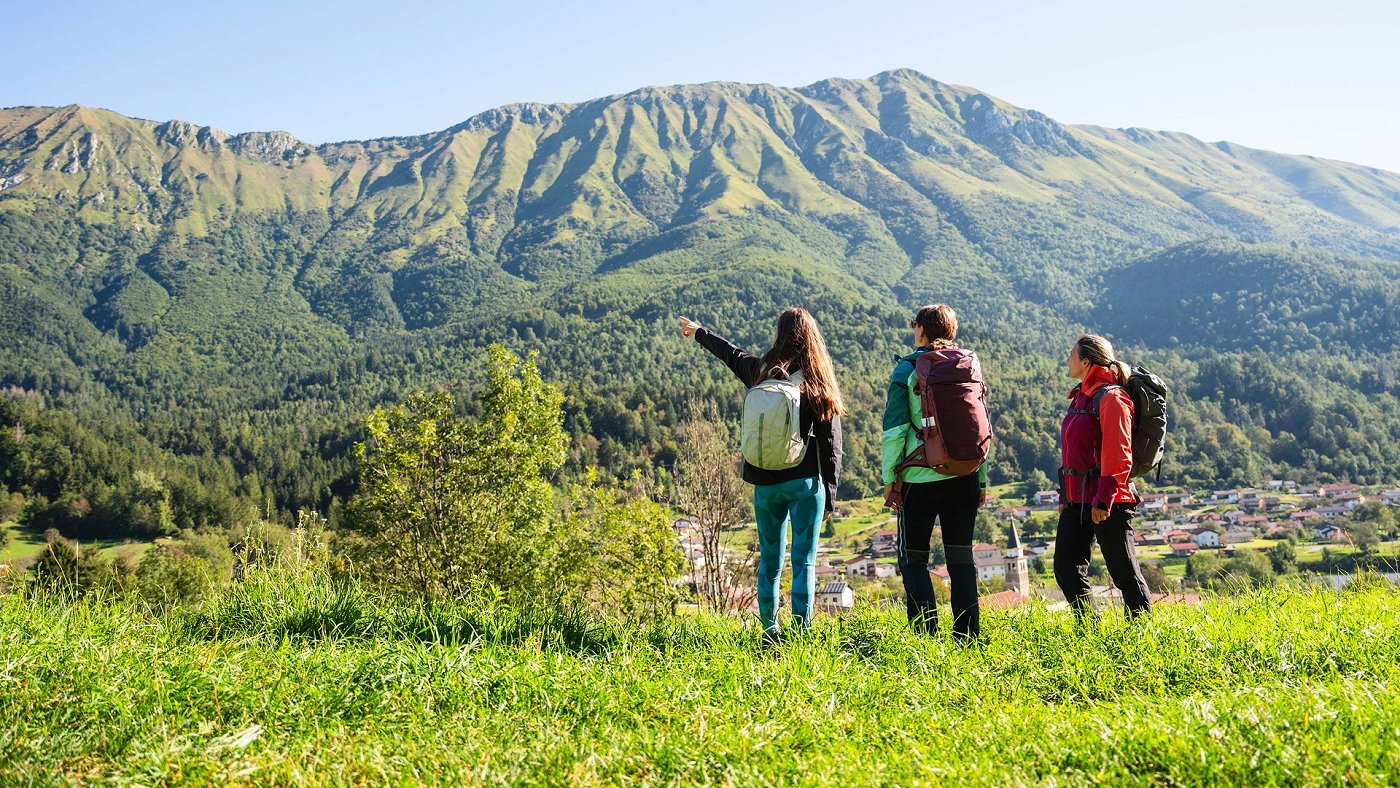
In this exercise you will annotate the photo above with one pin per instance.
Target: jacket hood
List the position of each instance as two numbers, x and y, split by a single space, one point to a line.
1094 379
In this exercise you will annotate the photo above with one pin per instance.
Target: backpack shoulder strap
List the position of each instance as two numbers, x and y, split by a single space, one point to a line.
1098 395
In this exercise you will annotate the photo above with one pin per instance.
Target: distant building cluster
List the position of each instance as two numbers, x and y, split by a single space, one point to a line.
1181 524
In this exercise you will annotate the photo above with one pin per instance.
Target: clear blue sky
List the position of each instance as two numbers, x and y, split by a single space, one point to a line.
1296 77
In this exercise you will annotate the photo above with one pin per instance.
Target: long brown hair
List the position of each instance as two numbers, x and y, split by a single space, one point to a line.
798 345
1099 351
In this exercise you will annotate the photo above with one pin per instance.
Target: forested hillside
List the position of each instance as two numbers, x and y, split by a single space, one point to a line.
220 311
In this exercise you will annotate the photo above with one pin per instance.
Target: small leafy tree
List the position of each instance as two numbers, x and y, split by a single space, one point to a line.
1098 570
1203 570
451 506
10 506
67 569
618 552
1037 481
1376 513
172 572
709 492
1283 557
1364 536
1158 582
986 529
1252 566
938 553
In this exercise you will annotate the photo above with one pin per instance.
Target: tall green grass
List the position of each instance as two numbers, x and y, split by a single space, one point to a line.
297 679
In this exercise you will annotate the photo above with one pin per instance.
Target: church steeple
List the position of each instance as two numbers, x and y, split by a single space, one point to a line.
1018 573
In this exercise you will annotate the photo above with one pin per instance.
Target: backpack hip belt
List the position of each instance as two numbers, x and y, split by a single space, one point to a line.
1079 471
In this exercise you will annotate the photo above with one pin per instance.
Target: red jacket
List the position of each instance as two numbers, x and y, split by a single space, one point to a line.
1105 444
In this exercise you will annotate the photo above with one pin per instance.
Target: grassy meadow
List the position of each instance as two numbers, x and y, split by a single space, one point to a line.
24 546
295 678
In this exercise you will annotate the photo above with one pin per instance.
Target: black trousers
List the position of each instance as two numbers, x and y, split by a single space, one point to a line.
1075 539
953 503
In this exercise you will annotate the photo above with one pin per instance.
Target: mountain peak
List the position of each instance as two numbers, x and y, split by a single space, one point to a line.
903 74
531 112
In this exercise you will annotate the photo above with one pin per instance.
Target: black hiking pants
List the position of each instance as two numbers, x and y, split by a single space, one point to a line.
1075 539
953 504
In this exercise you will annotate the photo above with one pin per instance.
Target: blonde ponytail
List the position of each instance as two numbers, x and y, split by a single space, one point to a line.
1099 351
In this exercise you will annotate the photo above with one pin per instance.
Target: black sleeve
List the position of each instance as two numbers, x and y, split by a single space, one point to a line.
744 366
829 446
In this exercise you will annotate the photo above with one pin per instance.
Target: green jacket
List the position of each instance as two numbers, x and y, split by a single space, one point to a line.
899 439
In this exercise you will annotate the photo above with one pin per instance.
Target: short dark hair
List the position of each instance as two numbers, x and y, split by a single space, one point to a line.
938 321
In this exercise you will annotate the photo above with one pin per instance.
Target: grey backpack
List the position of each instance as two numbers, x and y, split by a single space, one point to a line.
771 436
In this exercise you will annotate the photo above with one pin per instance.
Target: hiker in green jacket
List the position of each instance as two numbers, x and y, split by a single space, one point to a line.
922 495
794 463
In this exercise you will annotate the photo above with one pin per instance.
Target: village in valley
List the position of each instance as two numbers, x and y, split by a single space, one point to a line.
1187 542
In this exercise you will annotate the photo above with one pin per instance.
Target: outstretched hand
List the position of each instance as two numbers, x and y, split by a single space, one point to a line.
688 327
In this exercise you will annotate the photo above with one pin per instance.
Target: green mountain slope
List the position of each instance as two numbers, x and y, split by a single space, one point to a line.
245 297
1224 295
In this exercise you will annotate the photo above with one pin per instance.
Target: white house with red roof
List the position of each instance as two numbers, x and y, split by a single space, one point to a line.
861 566
885 543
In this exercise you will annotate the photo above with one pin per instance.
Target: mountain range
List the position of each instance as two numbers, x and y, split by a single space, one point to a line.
220 290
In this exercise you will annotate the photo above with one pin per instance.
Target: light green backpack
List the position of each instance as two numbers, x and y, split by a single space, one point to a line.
771 437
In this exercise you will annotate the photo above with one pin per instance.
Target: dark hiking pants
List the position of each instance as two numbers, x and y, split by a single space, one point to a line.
1075 539
953 503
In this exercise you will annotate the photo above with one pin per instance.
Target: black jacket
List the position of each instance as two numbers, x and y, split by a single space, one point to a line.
823 437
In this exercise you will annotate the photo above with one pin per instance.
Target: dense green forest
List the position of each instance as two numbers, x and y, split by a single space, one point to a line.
195 325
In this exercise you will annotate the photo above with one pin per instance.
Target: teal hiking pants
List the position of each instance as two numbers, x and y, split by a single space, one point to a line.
803 502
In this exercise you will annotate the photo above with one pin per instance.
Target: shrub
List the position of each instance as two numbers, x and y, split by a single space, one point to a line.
451 506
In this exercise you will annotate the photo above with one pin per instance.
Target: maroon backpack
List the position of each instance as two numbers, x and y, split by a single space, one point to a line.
956 432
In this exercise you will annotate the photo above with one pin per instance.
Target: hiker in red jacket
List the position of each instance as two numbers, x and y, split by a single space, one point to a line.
1096 498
